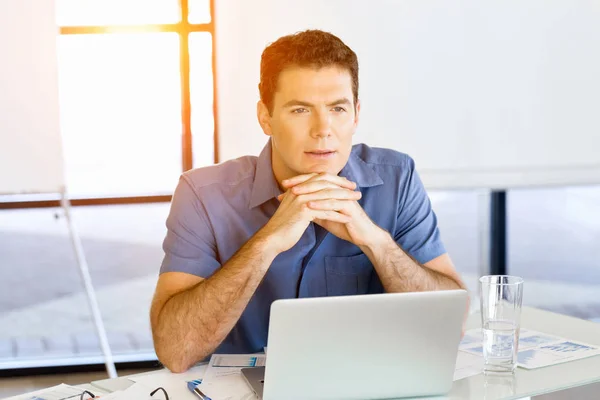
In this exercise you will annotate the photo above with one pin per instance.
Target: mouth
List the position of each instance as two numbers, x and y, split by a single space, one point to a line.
322 153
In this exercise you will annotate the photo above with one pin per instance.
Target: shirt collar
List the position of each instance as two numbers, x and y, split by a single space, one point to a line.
265 186
358 171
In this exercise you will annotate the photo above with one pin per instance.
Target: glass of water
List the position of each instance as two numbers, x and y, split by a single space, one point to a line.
501 299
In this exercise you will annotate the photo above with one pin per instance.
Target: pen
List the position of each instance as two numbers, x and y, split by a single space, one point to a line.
192 385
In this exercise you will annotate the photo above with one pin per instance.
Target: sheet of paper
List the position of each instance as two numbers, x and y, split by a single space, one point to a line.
227 382
112 396
467 365
529 339
221 365
223 380
230 387
58 392
536 349
110 385
555 353
470 338
137 391
174 384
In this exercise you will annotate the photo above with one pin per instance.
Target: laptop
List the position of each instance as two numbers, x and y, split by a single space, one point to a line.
374 346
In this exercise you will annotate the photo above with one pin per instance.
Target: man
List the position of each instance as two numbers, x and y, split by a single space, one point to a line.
311 216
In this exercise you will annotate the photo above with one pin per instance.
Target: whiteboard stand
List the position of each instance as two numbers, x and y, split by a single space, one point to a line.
89 289
483 223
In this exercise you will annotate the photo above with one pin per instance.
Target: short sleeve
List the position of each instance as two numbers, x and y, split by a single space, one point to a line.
416 226
189 244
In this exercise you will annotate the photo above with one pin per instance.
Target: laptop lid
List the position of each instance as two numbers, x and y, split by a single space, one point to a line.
367 346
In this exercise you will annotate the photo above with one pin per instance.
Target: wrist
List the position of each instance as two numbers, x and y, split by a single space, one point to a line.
264 242
379 240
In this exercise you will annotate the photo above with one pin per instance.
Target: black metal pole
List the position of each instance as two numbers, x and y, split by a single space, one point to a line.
498 236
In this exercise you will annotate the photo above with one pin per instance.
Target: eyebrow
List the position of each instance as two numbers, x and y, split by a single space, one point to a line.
338 102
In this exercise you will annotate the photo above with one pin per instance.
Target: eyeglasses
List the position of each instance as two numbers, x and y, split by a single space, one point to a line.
86 395
163 396
166 397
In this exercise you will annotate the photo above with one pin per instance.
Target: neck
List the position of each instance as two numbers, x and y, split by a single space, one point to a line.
280 171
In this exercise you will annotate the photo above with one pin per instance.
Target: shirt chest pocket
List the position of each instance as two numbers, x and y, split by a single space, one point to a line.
348 275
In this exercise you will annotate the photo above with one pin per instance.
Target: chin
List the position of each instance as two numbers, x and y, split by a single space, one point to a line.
319 169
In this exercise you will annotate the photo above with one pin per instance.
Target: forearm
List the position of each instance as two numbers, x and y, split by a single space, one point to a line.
399 272
193 323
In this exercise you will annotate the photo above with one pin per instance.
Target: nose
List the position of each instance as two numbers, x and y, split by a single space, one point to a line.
321 127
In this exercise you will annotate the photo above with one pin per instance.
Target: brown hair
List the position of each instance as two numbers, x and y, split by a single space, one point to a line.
310 48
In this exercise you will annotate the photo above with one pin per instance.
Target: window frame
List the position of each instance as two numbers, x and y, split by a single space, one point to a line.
183 28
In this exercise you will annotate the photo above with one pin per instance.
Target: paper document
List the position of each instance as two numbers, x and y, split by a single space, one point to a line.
231 364
223 380
174 384
555 353
467 365
536 349
530 339
112 396
137 391
470 338
58 392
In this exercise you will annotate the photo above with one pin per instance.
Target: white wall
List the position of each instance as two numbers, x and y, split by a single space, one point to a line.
30 142
494 94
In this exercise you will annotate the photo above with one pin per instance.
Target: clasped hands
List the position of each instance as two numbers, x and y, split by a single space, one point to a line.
328 200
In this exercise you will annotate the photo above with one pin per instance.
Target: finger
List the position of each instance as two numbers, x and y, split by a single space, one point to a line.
282 196
286 183
330 216
342 206
314 185
335 179
334 194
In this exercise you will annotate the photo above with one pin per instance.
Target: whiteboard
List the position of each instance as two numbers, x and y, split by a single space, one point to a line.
31 157
482 94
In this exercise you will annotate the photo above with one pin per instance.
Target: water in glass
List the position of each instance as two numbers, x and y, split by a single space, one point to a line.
500 346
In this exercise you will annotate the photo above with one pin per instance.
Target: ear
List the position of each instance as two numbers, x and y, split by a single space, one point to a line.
356 114
264 119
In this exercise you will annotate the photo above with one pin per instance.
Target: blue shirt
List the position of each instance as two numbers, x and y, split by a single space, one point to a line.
216 209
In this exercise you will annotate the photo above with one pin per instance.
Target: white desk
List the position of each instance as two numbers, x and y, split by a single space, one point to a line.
525 382
532 382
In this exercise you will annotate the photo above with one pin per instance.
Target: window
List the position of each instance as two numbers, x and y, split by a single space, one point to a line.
136 94
120 12
199 11
136 98
120 101
201 94
552 239
551 234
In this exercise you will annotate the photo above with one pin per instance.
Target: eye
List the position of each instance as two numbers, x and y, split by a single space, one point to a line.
299 110
339 109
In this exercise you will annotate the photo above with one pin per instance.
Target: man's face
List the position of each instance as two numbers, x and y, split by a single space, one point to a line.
313 121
